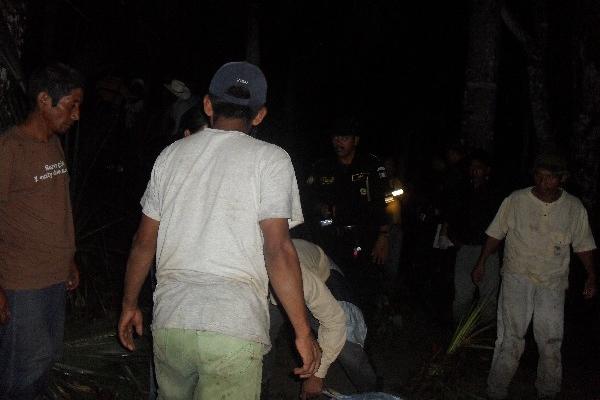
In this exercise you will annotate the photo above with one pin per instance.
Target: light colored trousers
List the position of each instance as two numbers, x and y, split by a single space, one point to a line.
203 365
520 300
464 288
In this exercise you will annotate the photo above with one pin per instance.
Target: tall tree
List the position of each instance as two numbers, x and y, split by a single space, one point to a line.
12 85
534 40
479 103
585 141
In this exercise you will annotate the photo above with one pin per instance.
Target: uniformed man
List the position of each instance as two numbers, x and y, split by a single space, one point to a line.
346 196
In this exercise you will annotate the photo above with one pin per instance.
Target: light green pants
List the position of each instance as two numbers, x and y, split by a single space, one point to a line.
206 365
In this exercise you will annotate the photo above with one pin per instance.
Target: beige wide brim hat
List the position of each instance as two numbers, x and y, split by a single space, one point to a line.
179 89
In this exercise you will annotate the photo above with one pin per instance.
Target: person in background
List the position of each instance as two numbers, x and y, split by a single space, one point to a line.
37 245
347 197
540 225
192 121
184 101
468 216
216 215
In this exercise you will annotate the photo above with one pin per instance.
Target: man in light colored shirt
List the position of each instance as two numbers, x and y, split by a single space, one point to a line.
216 213
341 326
540 224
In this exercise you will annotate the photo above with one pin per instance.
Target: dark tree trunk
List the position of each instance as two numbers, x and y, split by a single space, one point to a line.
535 46
479 103
585 141
538 93
12 85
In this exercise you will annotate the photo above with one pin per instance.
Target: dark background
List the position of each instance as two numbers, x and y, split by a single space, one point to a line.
398 67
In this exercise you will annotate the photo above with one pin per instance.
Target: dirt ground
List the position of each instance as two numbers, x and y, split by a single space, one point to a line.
407 356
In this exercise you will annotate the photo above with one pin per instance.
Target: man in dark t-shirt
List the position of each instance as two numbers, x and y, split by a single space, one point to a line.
469 214
37 243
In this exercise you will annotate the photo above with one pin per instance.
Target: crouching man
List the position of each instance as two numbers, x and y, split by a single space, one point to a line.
339 322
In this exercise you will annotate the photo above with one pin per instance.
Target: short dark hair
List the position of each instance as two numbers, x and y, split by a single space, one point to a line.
193 119
222 108
58 80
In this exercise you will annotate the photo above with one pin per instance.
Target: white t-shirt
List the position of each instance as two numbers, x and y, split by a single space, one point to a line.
209 191
538 235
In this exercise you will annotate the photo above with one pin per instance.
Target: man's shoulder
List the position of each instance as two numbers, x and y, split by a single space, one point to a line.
520 194
372 163
10 141
9 135
367 159
572 200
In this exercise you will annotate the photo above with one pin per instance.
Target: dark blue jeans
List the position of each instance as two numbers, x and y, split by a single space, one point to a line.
31 341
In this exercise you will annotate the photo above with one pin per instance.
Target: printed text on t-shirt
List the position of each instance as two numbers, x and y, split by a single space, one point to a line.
51 171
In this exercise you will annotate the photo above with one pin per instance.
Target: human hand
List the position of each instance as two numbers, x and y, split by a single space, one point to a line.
73 278
311 387
477 273
131 318
381 250
4 308
589 290
310 352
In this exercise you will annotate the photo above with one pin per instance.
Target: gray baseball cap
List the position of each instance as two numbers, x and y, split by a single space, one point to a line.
242 74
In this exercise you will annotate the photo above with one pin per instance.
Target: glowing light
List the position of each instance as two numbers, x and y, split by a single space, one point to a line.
326 222
398 192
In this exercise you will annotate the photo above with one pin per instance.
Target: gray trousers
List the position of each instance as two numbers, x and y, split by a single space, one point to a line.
520 301
464 288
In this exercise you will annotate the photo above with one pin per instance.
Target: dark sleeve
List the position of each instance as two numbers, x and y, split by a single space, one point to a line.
454 204
378 187
312 193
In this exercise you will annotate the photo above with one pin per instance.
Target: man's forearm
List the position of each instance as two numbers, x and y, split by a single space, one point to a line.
285 277
138 265
587 259
490 247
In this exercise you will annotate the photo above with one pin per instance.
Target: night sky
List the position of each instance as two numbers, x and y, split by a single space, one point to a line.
397 67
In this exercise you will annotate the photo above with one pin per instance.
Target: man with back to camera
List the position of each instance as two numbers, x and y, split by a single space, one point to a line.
210 201
540 223
37 241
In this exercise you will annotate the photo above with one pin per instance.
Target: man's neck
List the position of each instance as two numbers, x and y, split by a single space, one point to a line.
347 160
547 197
230 124
35 127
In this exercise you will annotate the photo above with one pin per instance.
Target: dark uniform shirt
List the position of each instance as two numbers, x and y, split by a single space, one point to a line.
356 191
471 212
